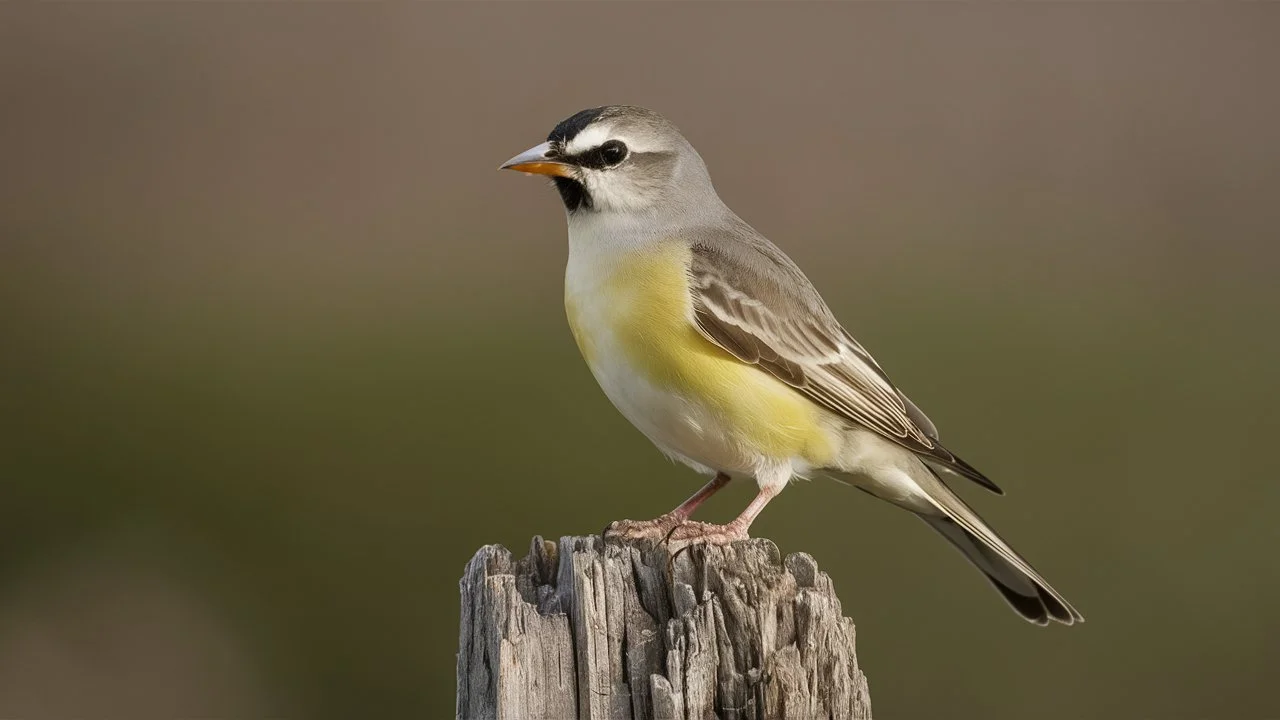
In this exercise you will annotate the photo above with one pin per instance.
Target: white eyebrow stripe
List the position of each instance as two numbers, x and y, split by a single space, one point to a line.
591 136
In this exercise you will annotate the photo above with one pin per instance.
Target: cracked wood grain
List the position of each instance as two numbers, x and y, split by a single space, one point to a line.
584 629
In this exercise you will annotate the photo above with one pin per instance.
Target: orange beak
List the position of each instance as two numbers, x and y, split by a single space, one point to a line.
538 161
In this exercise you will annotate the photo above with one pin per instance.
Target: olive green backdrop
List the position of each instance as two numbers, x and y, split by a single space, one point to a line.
280 348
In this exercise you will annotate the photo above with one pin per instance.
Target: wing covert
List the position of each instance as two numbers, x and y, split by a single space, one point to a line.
790 333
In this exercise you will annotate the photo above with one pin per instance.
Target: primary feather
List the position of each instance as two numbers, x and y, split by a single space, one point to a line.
753 301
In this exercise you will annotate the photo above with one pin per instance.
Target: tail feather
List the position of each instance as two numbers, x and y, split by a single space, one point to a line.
882 469
1017 581
1028 594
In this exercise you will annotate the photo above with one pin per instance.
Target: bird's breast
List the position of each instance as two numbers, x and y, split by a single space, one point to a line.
631 316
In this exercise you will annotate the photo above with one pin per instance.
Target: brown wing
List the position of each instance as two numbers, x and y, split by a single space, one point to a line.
793 336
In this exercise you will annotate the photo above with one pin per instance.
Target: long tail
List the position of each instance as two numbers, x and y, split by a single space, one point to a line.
1017 581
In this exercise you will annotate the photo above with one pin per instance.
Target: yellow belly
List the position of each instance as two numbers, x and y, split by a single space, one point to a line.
639 316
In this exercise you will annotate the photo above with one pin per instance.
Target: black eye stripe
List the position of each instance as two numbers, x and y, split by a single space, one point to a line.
607 155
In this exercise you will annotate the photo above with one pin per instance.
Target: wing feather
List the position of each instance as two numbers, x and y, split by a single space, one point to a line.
792 335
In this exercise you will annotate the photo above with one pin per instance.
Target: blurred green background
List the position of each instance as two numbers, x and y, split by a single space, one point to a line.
280 348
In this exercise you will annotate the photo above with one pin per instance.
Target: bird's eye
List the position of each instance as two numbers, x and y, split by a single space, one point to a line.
613 152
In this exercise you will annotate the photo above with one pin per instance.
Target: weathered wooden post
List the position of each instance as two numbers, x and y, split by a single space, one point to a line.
600 631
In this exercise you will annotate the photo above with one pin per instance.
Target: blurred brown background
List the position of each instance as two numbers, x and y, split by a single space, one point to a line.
281 348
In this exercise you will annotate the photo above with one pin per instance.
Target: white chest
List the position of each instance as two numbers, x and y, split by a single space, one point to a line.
628 313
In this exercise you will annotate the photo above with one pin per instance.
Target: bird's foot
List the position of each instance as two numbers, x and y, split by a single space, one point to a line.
700 533
656 529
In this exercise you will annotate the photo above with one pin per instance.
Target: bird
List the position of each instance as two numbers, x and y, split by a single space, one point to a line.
718 348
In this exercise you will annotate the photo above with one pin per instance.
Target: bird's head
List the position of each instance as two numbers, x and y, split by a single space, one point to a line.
618 159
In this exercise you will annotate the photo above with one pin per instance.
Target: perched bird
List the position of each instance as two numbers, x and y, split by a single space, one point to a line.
716 346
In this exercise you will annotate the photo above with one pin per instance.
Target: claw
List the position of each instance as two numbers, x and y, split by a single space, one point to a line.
692 533
656 529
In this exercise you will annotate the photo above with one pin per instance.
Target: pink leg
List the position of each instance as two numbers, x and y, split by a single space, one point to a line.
696 532
688 506
661 526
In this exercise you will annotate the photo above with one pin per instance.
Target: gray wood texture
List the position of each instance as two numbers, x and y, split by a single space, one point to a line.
585 629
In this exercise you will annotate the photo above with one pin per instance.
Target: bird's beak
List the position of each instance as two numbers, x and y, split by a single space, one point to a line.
539 160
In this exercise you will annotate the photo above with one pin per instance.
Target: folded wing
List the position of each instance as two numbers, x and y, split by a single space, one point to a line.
772 317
